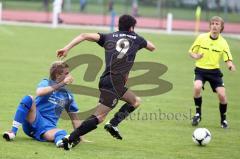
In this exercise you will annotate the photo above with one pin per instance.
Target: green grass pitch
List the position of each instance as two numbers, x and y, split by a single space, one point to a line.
26 54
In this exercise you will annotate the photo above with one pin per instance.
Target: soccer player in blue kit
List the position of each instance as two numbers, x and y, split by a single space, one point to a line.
39 116
121 48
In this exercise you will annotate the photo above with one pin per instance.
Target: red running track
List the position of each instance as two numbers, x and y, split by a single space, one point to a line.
92 19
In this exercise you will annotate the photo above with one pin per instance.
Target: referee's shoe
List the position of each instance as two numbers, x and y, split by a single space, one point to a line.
224 124
196 119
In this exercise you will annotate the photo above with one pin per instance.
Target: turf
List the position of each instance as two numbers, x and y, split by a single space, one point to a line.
159 129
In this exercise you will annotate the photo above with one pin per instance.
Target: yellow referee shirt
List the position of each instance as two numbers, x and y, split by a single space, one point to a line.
212 51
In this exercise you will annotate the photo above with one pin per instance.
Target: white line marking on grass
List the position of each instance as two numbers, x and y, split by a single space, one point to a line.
106 28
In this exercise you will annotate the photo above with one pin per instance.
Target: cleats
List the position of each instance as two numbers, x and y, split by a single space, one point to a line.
224 124
9 135
196 119
59 144
67 145
113 131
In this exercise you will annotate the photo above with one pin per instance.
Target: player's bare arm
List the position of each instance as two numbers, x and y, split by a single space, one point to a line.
75 119
230 65
94 37
150 46
46 90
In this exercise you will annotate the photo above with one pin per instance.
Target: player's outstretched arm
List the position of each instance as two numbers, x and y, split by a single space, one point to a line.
46 90
150 46
94 37
230 65
75 119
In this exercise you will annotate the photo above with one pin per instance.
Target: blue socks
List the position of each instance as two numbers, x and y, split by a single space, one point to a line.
59 135
21 113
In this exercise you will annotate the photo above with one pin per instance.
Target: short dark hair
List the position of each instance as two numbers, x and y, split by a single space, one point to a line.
126 22
57 68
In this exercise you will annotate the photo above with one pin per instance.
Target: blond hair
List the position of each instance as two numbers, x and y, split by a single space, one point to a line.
217 18
57 68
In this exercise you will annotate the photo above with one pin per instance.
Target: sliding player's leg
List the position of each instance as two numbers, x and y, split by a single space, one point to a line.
26 110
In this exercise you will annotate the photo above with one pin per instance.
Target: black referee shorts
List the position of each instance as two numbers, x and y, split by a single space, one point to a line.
213 76
112 88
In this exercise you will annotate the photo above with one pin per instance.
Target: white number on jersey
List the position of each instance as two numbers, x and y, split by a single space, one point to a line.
122 47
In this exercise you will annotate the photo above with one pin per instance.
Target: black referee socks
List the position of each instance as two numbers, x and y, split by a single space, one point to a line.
223 110
198 104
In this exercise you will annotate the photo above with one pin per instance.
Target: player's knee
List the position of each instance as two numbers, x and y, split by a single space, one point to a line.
27 101
197 88
136 102
222 98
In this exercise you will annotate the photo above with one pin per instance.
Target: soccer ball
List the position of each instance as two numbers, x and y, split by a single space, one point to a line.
201 136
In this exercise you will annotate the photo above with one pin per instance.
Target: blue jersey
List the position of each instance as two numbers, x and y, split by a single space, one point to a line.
50 106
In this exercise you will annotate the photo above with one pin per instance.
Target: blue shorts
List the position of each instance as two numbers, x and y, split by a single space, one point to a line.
38 127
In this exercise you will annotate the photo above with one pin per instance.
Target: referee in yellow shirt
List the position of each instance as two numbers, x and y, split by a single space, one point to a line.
207 50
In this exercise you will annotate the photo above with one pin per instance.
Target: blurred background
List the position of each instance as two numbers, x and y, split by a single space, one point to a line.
150 13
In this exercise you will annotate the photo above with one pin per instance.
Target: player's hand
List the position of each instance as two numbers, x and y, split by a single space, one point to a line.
198 56
68 79
62 53
231 66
